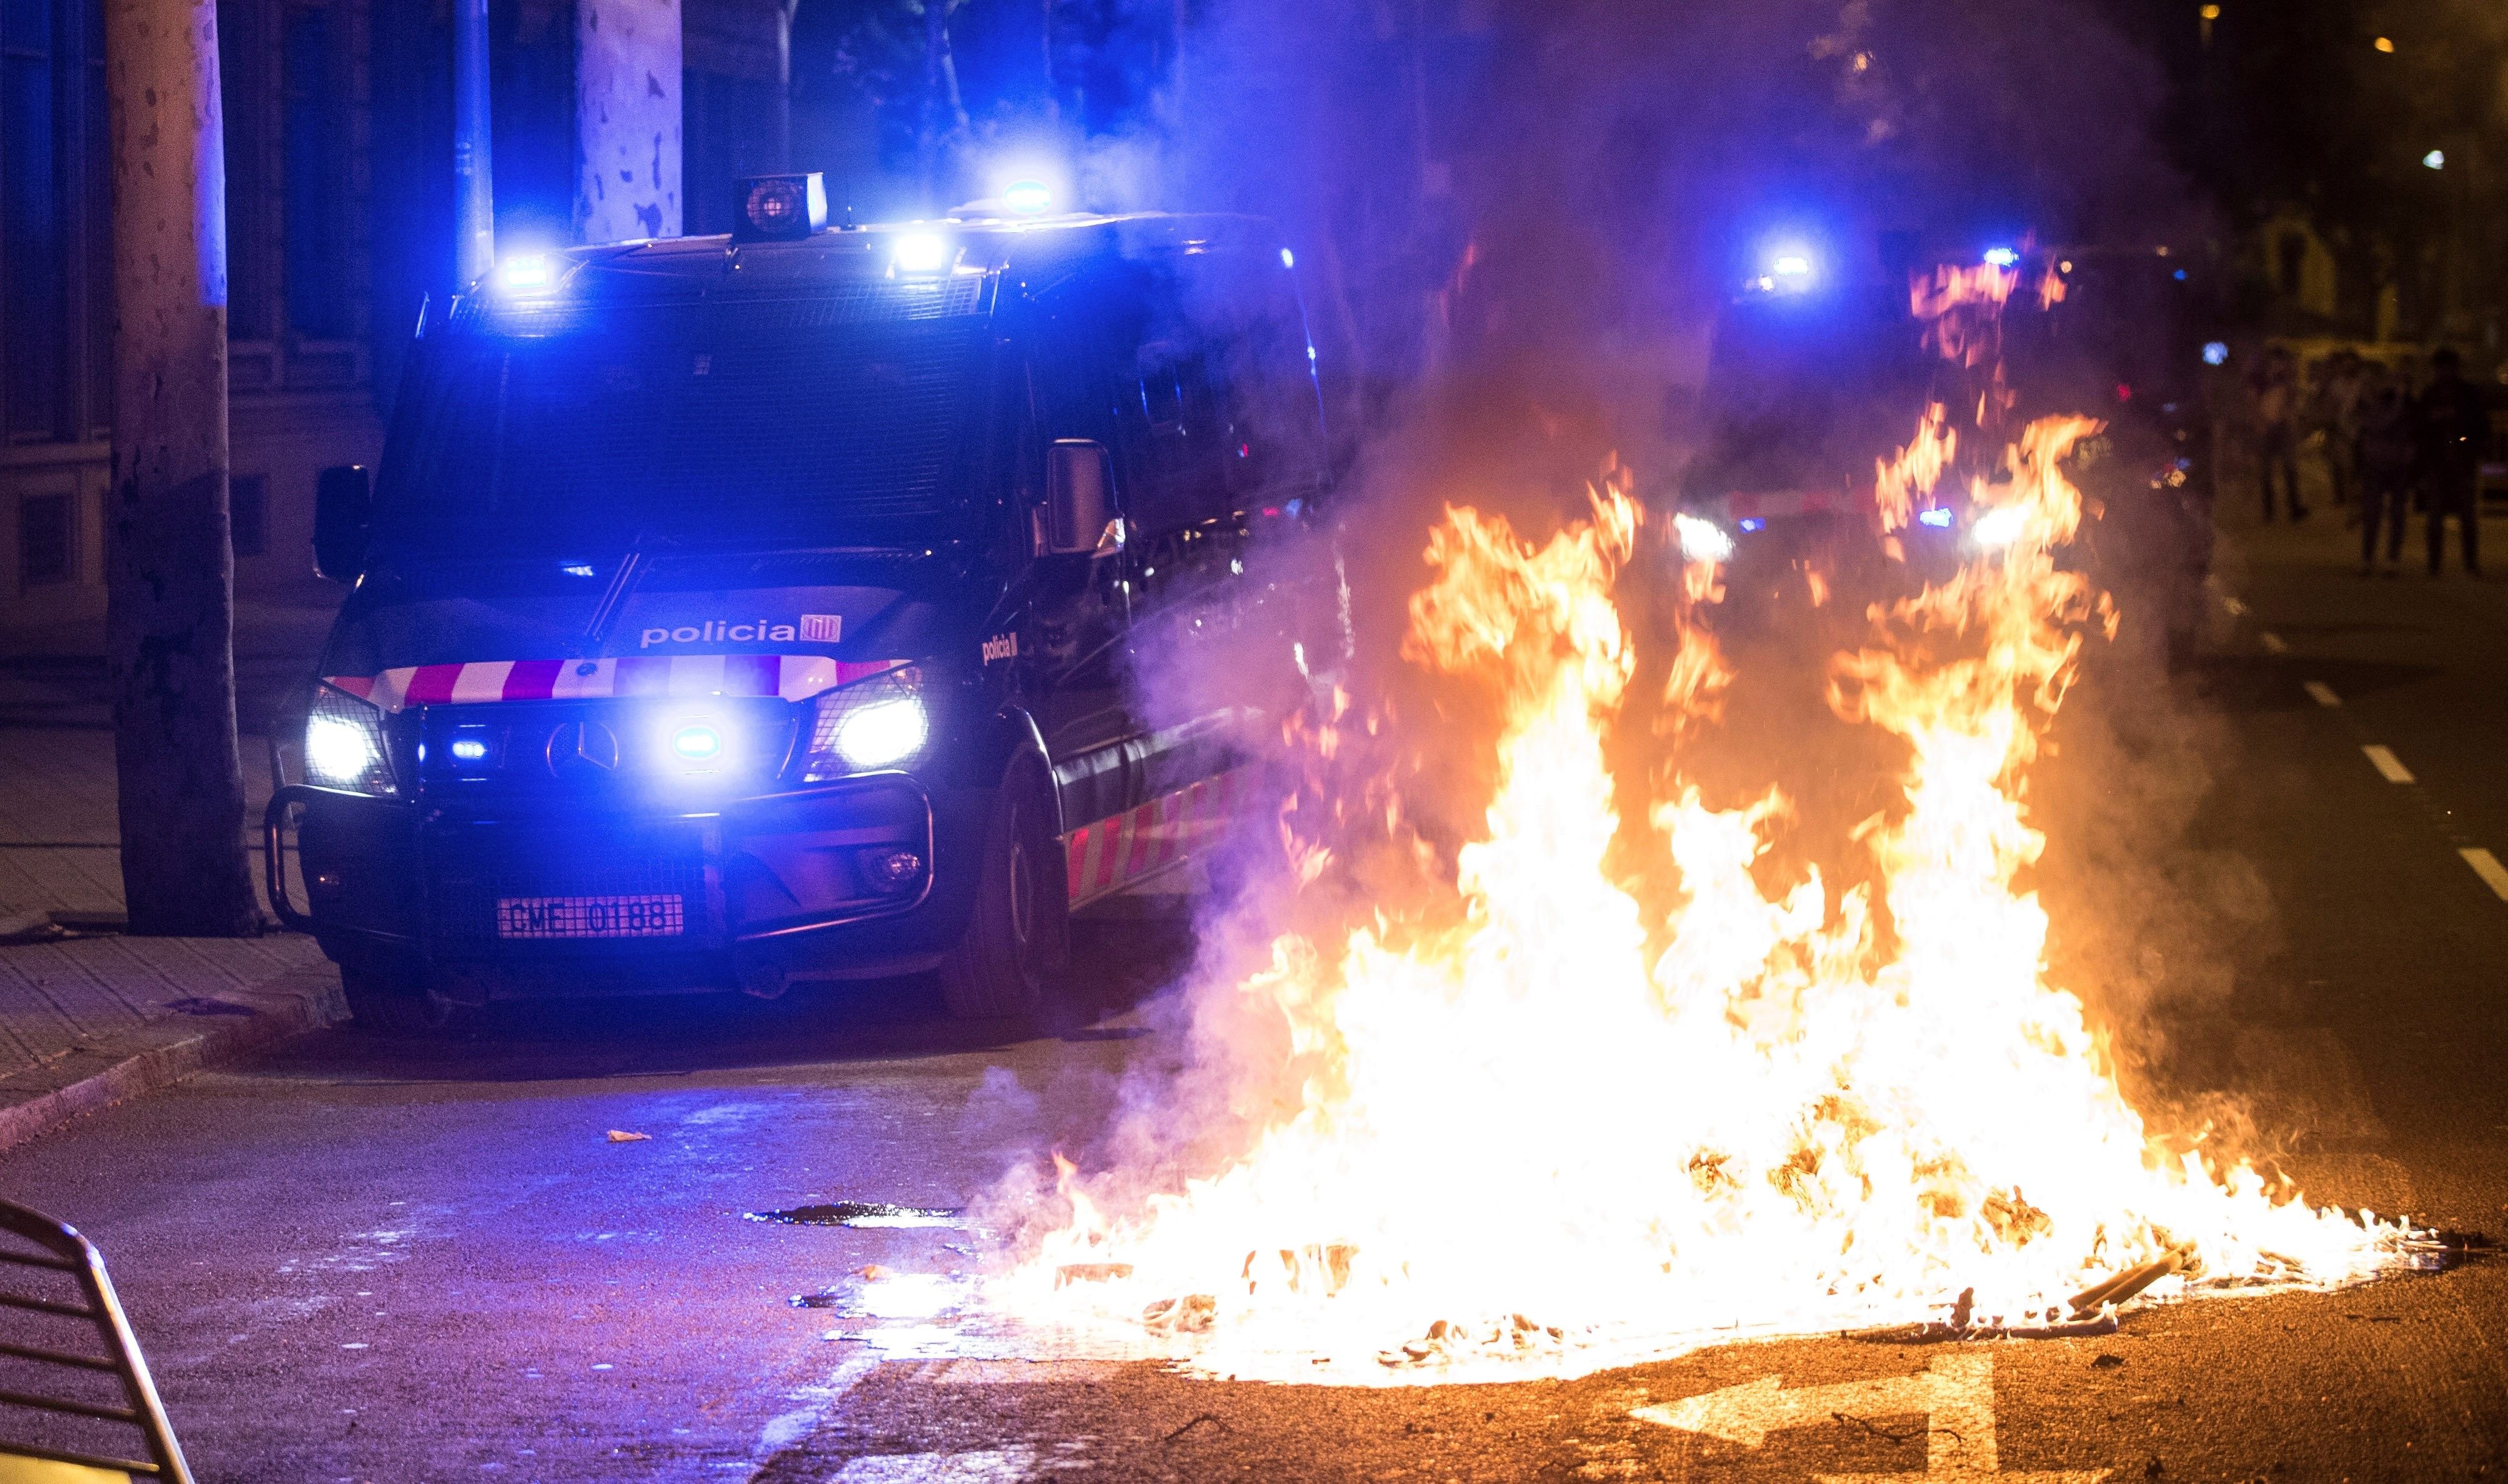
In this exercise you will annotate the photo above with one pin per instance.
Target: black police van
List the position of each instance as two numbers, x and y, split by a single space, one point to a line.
752 608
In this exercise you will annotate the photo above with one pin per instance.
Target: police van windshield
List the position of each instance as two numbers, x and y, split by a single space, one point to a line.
695 427
1802 394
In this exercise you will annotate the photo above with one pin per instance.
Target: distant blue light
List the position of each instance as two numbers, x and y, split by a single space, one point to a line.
2001 257
2179 276
2215 353
1937 518
1288 259
1753 523
577 569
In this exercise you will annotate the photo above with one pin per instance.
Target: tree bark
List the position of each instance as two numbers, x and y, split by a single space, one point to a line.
628 69
169 570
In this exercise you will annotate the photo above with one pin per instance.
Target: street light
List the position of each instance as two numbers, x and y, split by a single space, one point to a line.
2436 160
2386 44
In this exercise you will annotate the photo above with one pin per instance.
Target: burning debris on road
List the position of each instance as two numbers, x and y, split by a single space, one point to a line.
1753 1108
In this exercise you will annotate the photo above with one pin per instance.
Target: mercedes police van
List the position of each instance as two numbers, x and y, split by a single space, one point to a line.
752 608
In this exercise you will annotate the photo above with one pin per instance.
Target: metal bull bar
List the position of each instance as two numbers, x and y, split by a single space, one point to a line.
76 1302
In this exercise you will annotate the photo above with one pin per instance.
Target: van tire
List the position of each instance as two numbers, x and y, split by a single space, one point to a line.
397 1000
1013 960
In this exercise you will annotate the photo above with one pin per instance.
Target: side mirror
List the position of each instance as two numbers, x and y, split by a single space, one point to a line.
1079 498
344 512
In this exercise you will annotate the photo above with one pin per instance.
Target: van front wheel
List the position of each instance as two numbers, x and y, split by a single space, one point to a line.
1015 957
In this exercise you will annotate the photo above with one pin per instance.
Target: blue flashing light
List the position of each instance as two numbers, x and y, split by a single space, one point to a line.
1937 518
1753 523
697 742
1027 198
1791 265
578 570
2001 257
469 750
2179 276
2436 160
1288 259
2216 353
921 252
520 274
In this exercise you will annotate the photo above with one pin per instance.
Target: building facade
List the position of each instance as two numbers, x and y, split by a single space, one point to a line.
338 124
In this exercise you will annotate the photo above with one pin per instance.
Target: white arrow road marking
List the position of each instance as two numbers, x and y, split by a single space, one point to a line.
1955 1396
2486 866
2389 765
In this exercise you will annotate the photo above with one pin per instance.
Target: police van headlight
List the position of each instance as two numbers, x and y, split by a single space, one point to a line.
343 745
1702 541
880 723
1998 528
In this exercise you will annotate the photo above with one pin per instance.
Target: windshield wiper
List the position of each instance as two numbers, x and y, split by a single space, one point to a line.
631 567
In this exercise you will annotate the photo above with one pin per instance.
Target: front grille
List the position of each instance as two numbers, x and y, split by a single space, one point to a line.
569 885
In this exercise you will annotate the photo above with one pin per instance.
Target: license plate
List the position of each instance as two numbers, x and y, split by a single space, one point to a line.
641 917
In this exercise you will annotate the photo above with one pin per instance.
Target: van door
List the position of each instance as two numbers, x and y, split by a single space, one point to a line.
1082 606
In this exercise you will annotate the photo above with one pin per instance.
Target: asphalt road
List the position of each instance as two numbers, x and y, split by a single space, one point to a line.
360 1261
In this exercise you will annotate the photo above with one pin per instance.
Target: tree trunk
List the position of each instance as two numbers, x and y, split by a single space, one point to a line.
781 119
169 624
628 70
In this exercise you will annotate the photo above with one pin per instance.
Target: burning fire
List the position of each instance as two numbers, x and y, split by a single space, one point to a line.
1545 1129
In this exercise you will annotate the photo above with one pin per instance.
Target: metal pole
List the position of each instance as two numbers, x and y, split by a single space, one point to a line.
474 242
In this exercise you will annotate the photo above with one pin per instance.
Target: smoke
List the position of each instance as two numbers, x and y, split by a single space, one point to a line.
1514 223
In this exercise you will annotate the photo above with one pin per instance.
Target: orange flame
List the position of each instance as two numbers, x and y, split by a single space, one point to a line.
1547 1129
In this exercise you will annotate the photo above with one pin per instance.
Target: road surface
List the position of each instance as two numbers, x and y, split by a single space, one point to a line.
353 1260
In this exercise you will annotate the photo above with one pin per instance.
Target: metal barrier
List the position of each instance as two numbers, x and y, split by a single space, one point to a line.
36 1250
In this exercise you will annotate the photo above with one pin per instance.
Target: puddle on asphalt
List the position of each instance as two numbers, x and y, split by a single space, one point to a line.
860 1215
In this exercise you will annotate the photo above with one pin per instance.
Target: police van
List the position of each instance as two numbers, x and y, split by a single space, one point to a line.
764 607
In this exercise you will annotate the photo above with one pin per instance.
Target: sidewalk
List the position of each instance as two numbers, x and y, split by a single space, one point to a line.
88 1016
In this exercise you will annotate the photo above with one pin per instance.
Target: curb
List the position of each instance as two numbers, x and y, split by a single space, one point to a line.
164 1051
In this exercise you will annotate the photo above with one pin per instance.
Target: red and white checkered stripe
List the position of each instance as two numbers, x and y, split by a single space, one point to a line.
1117 851
791 677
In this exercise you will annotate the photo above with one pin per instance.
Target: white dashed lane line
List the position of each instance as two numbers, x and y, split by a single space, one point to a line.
2383 758
2486 866
2387 764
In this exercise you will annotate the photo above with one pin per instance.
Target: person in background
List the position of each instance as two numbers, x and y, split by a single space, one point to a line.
2453 419
2334 412
2276 403
2383 453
